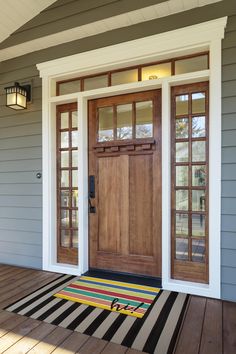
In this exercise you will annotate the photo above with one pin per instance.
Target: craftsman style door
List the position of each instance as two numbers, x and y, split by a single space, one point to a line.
125 183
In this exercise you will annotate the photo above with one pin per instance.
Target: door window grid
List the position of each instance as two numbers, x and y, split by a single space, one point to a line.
189 176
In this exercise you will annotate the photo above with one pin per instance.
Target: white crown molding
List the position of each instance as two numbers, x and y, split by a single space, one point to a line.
163 9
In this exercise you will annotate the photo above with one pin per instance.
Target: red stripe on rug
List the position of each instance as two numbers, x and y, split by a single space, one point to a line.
106 292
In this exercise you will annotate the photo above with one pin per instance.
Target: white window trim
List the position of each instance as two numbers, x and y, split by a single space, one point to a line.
186 40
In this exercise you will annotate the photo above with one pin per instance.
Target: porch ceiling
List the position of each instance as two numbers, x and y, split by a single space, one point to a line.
15 13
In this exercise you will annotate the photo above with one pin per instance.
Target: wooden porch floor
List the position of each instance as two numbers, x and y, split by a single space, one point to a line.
209 326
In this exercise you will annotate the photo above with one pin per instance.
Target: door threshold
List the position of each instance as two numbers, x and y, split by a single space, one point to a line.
125 277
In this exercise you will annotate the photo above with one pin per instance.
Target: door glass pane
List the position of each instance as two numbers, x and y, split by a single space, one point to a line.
198 200
74 138
74 158
64 139
199 175
65 198
64 179
74 199
65 120
198 127
75 218
181 224
124 121
95 82
124 77
105 131
191 64
198 225
65 238
75 238
181 128
74 119
198 151
181 200
69 87
144 119
198 102
75 178
64 158
198 250
181 249
65 220
156 71
181 104
182 152
181 176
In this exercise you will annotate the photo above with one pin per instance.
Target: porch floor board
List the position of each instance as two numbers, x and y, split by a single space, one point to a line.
209 326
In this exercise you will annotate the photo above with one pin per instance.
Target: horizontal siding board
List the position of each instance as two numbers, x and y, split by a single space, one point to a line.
21 154
20 260
228 275
228 292
228 258
21 142
21 225
229 105
228 138
231 24
229 72
229 55
229 240
228 222
229 189
21 213
22 165
25 130
229 40
21 201
229 88
21 189
228 171
23 237
229 155
21 119
229 121
19 177
228 206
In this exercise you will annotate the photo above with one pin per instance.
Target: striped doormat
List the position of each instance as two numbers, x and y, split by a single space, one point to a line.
155 332
129 299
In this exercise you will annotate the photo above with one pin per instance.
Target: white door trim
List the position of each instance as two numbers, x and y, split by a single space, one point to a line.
187 40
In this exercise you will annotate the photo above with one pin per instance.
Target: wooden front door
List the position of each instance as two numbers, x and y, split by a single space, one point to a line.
125 183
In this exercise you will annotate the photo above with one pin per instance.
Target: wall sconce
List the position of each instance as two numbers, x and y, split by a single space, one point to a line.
17 96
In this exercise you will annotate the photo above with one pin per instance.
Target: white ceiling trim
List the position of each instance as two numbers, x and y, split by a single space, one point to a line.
129 18
15 13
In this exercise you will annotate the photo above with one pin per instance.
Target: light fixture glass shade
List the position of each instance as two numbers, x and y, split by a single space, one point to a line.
16 97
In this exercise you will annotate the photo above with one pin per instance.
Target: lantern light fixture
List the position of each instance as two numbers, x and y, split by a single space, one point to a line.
17 96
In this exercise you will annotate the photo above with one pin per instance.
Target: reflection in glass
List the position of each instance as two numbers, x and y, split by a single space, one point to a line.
198 250
144 119
198 151
181 128
74 158
156 71
105 130
75 239
198 224
75 218
65 198
124 77
69 87
65 120
198 200
181 176
64 158
64 139
181 200
95 82
182 152
198 102
65 238
74 138
124 122
198 127
181 104
75 199
65 220
181 249
191 64
199 175
64 179
74 119
75 178
181 224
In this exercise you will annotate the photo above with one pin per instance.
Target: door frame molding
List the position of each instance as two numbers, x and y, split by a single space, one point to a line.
192 39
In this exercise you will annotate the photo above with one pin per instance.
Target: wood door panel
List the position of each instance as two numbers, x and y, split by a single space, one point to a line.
125 231
140 205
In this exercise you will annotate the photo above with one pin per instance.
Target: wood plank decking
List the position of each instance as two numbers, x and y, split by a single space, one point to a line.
209 326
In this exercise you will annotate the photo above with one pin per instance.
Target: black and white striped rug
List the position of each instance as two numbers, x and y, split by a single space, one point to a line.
156 332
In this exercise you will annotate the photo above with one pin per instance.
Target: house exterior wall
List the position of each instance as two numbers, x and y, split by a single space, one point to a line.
20 134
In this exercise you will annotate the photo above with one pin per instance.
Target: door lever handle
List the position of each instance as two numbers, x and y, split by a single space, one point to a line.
92 209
